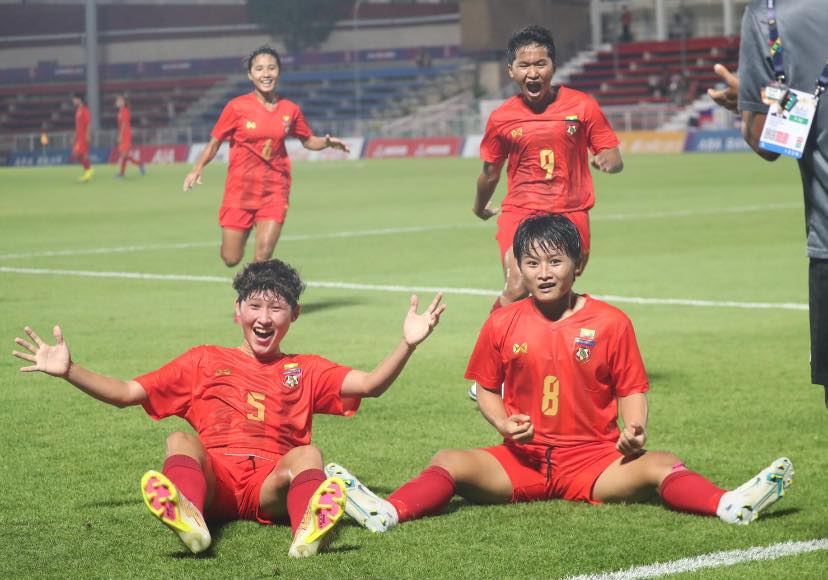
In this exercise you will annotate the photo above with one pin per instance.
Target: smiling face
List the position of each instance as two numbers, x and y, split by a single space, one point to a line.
265 319
264 73
532 70
549 274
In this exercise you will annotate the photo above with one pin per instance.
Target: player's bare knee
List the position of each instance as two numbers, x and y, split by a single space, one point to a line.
180 442
230 261
308 456
451 460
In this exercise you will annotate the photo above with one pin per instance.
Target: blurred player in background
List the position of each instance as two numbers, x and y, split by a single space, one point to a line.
80 148
252 408
545 132
125 137
258 178
568 363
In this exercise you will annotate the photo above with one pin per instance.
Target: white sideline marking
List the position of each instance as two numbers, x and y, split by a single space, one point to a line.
407 289
390 231
712 560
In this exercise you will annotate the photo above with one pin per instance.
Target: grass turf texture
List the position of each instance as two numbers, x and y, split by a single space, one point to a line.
730 387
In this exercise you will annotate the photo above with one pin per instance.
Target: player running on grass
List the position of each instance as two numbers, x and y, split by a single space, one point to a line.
569 363
125 137
258 178
545 133
80 148
252 408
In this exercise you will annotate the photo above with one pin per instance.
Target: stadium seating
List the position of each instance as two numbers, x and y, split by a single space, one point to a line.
153 102
673 71
342 95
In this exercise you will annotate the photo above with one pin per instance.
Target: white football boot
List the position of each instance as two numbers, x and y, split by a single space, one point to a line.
175 511
366 507
324 510
744 504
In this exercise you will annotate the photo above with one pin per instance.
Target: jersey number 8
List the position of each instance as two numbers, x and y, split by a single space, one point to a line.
551 390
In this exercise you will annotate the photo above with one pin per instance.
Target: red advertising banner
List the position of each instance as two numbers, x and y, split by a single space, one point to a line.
155 153
413 147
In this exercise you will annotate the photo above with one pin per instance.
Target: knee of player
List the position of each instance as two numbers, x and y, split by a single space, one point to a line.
449 459
179 442
308 455
662 463
230 261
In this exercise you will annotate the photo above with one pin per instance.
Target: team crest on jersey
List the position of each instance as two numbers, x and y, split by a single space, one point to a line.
517 133
223 372
286 121
582 354
520 348
250 124
291 373
571 124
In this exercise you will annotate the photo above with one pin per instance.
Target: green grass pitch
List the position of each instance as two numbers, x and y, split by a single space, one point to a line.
730 386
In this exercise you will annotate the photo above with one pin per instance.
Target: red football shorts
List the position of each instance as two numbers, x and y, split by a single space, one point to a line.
80 150
508 222
237 218
570 473
240 474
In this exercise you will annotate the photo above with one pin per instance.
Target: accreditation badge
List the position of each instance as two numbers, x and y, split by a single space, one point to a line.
788 123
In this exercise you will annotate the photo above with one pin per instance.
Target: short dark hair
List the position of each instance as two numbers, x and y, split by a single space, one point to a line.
548 231
80 96
264 49
269 277
527 36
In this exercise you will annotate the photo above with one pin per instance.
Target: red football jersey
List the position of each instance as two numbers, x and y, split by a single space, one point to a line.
566 375
548 166
124 128
82 120
233 400
259 164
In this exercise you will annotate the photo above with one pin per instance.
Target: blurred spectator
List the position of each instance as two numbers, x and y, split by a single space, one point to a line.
423 59
44 138
680 25
626 23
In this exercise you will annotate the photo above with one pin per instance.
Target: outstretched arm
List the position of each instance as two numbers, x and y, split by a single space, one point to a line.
518 428
315 143
416 329
486 185
633 409
207 154
56 361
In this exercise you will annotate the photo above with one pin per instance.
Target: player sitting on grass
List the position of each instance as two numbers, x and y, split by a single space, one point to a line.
252 407
568 363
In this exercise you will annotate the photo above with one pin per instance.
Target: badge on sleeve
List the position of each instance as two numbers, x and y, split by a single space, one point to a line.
788 122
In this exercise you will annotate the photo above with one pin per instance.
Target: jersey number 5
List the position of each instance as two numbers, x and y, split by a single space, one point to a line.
551 390
256 400
547 161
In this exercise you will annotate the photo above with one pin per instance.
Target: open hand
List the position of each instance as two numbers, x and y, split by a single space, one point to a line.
335 143
417 327
193 178
518 428
632 439
729 96
52 360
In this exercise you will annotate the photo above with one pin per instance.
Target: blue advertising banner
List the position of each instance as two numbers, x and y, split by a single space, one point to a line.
729 141
97 155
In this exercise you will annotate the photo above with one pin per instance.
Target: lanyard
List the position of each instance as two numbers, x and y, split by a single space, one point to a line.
776 53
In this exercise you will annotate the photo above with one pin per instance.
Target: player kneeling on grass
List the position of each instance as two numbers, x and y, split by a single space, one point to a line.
568 363
252 407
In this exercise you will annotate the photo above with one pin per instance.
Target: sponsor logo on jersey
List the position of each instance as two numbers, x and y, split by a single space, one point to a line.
223 372
291 373
520 348
516 133
250 125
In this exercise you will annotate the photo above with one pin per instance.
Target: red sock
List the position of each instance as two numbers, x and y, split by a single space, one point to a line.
426 494
496 305
85 163
299 494
123 166
188 477
687 491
